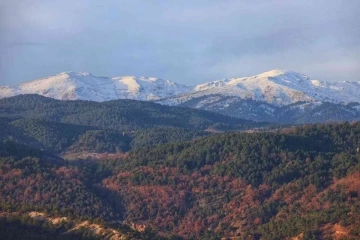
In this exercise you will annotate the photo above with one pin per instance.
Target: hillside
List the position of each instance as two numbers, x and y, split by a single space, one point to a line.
296 113
118 115
60 138
44 197
303 180
299 181
63 127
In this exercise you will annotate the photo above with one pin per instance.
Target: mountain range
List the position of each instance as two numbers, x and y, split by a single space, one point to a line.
275 96
129 169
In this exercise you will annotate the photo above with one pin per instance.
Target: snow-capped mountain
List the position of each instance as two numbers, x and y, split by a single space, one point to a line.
277 96
85 86
275 87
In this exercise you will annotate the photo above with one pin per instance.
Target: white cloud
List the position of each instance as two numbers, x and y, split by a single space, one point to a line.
185 41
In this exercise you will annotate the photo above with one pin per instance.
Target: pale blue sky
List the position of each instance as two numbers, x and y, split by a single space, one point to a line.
182 41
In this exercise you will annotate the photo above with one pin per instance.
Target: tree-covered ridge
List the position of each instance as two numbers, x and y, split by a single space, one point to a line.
65 197
53 136
162 135
69 138
41 182
114 126
118 115
303 180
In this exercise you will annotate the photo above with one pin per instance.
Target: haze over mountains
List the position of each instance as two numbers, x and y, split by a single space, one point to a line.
277 96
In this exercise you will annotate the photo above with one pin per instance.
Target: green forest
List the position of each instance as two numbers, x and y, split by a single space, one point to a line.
121 115
170 179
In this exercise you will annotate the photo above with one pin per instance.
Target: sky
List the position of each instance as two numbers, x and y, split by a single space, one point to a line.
185 41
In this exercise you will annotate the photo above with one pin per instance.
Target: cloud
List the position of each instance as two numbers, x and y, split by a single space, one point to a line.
179 40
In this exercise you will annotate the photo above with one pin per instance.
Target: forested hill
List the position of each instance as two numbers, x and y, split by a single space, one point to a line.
299 182
43 197
117 114
64 138
171 177
70 127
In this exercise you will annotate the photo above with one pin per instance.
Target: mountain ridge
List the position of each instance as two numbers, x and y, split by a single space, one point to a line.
277 87
275 95
85 86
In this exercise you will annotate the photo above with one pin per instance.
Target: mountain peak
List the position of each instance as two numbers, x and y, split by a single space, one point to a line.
273 73
85 86
74 74
136 78
277 87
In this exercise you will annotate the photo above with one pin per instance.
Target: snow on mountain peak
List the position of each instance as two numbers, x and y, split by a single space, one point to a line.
272 73
74 74
147 88
85 86
277 87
